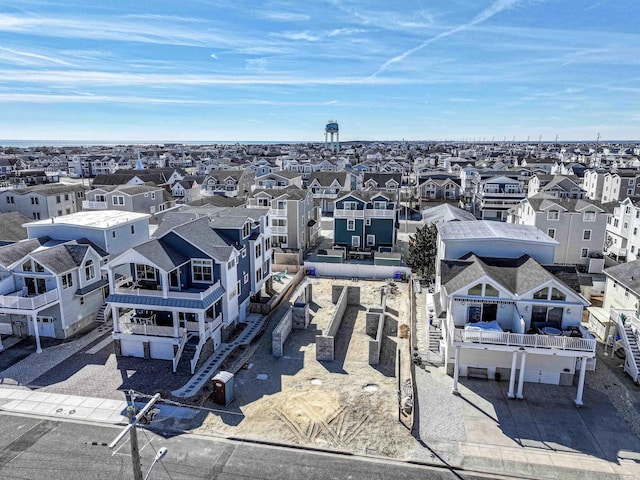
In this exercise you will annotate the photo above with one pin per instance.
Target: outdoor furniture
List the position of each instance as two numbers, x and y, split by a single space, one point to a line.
551 331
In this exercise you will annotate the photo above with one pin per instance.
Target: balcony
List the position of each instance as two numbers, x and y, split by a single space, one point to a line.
341 213
507 339
18 301
500 193
131 324
93 205
380 213
192 294
278 230
278 212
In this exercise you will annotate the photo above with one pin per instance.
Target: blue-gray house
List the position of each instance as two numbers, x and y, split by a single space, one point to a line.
365 220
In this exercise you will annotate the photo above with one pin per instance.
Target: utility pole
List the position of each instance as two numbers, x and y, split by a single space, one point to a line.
133 434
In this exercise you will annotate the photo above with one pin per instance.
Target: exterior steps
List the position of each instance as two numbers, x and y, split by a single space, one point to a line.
633 352
101 317
189 351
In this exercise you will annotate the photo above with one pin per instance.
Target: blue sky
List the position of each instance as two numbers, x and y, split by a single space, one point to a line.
278 70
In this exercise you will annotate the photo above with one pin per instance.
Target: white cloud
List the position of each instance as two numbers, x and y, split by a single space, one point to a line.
214 56
29 58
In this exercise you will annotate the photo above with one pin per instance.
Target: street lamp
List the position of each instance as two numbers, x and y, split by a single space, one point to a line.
159 456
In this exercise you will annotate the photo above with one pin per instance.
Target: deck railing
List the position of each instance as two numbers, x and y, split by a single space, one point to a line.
524 340
16 301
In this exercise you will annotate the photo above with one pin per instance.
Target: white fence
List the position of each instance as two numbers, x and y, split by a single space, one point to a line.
350 270
525 340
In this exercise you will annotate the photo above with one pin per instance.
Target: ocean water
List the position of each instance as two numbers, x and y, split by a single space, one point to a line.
111 143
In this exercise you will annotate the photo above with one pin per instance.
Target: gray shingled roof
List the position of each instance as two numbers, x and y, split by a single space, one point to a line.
327 178
61 258
292 192
446 213
11 229
10 254
627 274
161 254
201 235
543 201
517 275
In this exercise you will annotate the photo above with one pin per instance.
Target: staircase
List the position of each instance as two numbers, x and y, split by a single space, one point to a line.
101 317
433 340
184 365
629 330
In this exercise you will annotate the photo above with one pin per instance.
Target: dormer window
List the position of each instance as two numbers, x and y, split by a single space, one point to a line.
26 266
246 230
475 291
202 270
553 215
380 205
38 268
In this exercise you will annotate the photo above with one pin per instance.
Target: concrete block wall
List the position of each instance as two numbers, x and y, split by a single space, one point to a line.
325 348
301 317
280 334
376 343
341 296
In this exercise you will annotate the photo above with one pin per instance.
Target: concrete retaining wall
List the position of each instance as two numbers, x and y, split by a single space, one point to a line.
375 325
280 334
341 296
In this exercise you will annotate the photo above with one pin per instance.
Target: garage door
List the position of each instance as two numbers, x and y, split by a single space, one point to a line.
162 351
132 349
538 376
45 327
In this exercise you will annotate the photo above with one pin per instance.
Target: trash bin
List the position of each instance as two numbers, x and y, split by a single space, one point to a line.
223 388
312 272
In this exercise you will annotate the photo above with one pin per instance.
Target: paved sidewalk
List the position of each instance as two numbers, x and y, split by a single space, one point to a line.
27 370
102 410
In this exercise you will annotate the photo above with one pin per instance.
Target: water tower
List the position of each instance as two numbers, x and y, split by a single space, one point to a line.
332 133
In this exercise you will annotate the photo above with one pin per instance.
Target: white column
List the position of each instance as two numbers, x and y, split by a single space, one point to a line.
201 324
512 376
176 324
523 361
115 319
165 284
37 334
112 280
1 347
583 369
456 371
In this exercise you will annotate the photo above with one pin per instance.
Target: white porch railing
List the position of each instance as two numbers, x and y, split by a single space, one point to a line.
176 357
341 213
16 301
143 329
380 212
171 294
93 205
278 212
524 340
278 229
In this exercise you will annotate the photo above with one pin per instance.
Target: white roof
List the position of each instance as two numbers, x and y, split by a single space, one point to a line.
487 230
92 219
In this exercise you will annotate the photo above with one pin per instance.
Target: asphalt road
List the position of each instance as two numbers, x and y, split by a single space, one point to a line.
33 448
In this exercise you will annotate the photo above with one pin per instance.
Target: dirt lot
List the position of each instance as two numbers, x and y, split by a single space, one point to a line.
345 404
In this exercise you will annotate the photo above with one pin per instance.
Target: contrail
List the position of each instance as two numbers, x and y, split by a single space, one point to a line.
495 8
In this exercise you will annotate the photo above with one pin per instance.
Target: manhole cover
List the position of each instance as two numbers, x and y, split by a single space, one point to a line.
372 387
316 381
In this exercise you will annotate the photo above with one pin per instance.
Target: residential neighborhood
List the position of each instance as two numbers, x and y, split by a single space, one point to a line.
494 274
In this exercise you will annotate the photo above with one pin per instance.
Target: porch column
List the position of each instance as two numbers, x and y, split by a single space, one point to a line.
512 377
201 324
112 280
35 329
583 370
176 324
165 284
456 372
1 347
523 362
115 319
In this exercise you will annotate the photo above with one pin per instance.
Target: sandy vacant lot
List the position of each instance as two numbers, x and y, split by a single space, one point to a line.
345 404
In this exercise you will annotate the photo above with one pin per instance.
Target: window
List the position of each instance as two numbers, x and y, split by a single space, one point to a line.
153 195
10 199
584 253
371 240
239 287
553 215
635 231
38 268
59 213
58 199
145 272
68 211
351 224
490 291
616 222
541 294
67 280
244 252
267 243
367 222
246 229
66 197
36 215
349 205
231 264
475 291
589 216
551 232
258 250
202 270
259 275
117 200
89 270
113 234
245 278
26 266
557 295
586 235
133 229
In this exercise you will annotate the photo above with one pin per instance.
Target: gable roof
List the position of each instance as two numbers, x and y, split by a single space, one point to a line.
9 254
